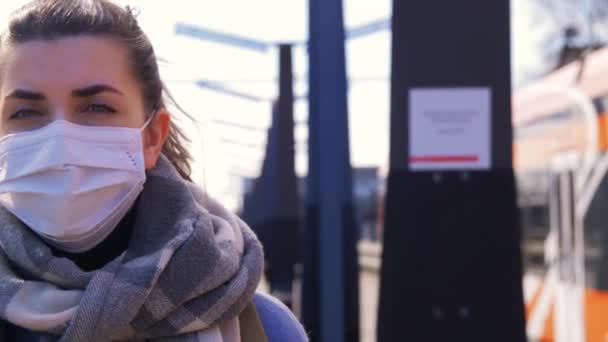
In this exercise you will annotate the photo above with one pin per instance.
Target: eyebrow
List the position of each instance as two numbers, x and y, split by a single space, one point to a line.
87 91
94 90
26 95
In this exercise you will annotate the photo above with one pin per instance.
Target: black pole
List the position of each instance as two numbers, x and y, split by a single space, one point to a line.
288 206
273 206
451 267
285 223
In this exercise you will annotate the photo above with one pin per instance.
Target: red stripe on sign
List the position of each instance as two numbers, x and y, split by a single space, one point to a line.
444 159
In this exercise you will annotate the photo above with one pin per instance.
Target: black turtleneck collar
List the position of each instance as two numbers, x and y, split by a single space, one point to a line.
110 248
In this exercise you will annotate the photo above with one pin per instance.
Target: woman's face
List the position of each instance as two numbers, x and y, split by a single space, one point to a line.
85 80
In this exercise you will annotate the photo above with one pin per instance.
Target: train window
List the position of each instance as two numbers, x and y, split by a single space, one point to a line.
596 239
601 104
533 203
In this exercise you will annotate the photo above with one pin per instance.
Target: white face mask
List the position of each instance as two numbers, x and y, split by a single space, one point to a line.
72 184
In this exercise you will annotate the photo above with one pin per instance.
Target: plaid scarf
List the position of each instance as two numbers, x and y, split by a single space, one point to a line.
190 269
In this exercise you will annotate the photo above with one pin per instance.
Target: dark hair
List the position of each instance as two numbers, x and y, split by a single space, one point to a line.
53 19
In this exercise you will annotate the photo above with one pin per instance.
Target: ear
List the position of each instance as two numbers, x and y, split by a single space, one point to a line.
154 137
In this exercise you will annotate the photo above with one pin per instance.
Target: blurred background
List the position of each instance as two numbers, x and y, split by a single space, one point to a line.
241 69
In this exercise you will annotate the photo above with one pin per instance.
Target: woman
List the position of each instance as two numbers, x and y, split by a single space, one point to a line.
102 235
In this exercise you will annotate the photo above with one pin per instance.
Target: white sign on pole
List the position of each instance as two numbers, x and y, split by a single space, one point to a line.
449 129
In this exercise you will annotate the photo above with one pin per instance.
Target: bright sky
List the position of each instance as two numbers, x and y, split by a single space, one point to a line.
224 153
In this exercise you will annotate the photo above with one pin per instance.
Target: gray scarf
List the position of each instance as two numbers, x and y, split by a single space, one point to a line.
191 266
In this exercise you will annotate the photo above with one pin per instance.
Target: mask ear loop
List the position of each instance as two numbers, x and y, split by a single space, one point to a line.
150 118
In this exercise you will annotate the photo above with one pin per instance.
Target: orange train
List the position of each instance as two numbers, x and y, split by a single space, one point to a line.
561 122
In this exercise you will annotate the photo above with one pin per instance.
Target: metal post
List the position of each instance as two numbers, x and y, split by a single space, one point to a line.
451 267
330 271
569 291
285 224
273 206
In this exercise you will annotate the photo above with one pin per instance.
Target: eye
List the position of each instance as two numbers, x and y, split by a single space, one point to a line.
99 108
25 114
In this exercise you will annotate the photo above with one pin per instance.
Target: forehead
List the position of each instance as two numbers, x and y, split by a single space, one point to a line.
66 62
